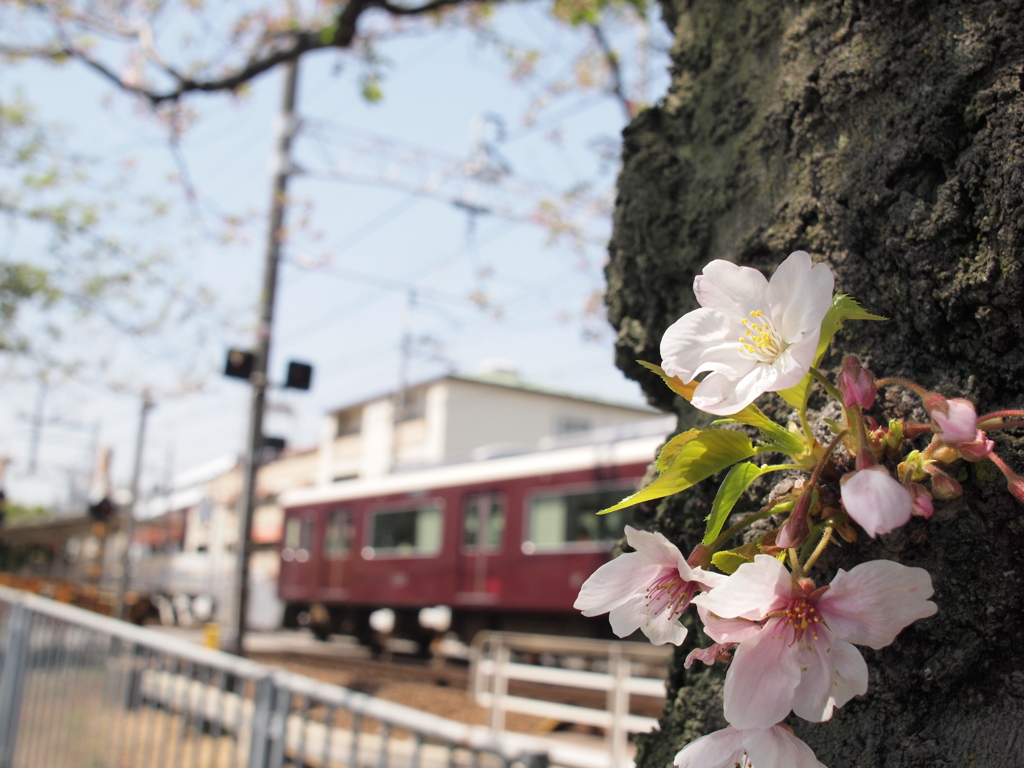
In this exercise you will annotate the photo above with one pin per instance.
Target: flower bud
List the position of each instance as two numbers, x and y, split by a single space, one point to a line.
856 383
914 464
954 421
943 486
875 500
977 449
795 529
923 506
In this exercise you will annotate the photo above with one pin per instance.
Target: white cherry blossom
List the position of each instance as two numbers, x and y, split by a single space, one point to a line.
750 335
775 747
795 647
648 589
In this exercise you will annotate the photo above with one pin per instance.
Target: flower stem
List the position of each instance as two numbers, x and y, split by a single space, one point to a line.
728 534
829 387
794 563
825 538
921 391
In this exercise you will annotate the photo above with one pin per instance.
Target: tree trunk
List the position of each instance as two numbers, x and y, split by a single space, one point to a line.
886 139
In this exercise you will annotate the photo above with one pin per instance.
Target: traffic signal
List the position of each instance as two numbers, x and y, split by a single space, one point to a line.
300 376
239 364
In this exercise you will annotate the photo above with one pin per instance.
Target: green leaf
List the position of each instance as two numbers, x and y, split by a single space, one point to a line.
728 561
736 482
843 308
781 437
690 458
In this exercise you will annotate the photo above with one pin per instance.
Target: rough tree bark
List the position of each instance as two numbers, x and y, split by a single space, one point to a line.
884 137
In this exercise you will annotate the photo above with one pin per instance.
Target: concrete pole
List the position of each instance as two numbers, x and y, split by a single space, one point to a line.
235 634
129 523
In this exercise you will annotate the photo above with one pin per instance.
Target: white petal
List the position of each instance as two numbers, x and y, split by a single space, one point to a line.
799 295
731 289
721 749
654 547
778 747
876 500
754 591
723 396
762 677
615 582
873 602
703 340
793 362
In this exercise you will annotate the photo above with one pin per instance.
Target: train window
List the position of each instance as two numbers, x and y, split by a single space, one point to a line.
483 524
406 532
567 519
338 536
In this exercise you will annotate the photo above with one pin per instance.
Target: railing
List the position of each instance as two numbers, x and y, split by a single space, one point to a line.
81 690
617 668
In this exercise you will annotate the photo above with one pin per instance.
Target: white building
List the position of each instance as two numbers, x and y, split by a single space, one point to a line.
455 419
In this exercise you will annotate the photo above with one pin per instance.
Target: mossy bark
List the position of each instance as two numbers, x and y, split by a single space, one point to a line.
887 139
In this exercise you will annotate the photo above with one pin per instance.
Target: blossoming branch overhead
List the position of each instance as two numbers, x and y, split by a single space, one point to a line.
789 643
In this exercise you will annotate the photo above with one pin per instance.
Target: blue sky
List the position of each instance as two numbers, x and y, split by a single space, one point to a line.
375 246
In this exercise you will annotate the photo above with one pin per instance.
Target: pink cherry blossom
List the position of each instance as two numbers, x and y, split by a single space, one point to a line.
954 421
876 500
648 589
795 647
750 334
774 747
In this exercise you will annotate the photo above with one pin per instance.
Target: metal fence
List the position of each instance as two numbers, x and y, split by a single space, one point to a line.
81 690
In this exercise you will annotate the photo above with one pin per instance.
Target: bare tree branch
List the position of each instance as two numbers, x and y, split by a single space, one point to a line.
612 59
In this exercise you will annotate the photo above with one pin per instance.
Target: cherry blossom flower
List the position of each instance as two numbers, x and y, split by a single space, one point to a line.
648 589
775 747
750 334
876 500
795 647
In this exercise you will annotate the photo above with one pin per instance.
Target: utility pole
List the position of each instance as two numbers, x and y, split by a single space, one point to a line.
258 379
129 524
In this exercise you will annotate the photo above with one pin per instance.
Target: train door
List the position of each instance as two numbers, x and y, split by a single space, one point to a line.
338 538
298 564
483 532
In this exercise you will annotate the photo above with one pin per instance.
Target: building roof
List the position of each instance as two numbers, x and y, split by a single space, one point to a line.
505 379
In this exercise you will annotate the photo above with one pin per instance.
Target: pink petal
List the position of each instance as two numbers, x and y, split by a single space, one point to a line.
727 630
731 289
703 340
721 749
799 295
873 602
955 421
754 591
778 747
834 672
876 500
760 682
636 613
707 655
615 582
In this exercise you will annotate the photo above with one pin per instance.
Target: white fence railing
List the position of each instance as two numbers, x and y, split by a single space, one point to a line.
619 669
81 690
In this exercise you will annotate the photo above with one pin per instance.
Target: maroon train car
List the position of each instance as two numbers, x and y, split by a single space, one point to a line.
504 543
